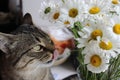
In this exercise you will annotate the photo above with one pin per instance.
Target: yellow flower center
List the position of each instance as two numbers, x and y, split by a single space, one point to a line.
66 22
95 60
115 1
94 10
96 33
56 15
105 46
87 24
73 12
116 28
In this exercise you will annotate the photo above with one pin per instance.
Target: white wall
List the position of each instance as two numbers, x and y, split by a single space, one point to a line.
32 7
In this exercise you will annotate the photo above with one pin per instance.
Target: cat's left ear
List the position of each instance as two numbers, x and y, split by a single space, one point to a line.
5 39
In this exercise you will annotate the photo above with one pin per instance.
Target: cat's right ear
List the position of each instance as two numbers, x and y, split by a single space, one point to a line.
5 39
27 19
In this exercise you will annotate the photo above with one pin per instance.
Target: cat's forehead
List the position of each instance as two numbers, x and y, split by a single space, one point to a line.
30 29
26 28
29 36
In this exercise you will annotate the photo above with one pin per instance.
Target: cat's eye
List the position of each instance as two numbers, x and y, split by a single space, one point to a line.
37 48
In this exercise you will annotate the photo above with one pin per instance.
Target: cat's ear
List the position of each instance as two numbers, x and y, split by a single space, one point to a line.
4 40
27 19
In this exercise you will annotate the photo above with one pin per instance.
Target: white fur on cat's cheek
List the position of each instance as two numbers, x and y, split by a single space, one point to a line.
48 59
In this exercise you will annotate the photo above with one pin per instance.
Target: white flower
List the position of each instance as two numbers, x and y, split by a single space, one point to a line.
49 10
114 8
82 42
90 32
71 10
95 21
55 15
111 48
96 61
67 22
115 2
84 38
112 31
96 8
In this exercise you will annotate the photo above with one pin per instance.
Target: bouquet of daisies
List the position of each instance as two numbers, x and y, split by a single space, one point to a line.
95 25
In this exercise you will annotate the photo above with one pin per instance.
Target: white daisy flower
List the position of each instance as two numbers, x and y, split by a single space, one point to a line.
67 22
96 21
114 8
95 59
90 32
111 49
82 42
71 11
55 15
112 31
115 2
84 38
49 10
96 8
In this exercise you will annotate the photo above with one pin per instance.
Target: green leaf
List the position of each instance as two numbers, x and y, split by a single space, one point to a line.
75 32
78 25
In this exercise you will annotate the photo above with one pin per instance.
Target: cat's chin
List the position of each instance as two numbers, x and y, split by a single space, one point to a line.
57 59
52 58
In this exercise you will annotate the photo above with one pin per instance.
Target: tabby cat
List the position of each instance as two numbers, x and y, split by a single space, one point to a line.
26 54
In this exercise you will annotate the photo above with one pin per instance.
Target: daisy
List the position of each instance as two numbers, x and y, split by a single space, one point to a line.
84 38
112 31
95 59
90 32
55 15
82 42
67 22
96 8
111 49
115 2
49 9
114 8
71 10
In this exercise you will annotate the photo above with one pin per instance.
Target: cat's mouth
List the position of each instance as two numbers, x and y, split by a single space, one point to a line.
52 56
57 57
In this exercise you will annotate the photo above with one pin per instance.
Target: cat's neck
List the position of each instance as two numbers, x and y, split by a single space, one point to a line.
36 73
33 71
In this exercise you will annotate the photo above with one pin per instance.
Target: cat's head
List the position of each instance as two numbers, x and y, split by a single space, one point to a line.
27 45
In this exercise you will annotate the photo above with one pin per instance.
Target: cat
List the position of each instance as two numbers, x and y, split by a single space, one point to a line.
26 54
